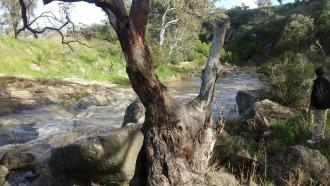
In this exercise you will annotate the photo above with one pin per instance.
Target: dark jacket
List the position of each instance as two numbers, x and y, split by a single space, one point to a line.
320 98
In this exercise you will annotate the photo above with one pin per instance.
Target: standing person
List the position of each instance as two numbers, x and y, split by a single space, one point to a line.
320 102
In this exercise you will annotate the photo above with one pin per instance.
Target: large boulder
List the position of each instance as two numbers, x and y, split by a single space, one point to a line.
267 113
264 114
245 100
253 107
103 159
299 164
134 114
13 160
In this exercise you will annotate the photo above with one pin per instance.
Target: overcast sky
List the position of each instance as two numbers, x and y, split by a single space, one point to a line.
89 14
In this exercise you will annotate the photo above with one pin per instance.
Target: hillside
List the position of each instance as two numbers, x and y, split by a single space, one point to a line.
100 61
257 34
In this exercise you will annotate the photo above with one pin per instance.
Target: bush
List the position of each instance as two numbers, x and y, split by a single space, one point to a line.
160 55
99 31
225 56
228 57
203 48
290 78
324 26
298 33
194 56
176 58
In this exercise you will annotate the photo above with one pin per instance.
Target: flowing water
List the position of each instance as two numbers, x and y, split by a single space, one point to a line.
51 124
226 90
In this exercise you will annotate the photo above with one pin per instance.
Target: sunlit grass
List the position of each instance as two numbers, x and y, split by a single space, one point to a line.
296 132
101 61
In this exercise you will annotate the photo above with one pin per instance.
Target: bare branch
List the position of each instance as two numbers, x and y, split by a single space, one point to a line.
165 14
164 25
49 15
171 23
115 9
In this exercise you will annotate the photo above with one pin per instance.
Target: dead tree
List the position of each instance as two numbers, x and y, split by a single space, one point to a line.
165 24
179 138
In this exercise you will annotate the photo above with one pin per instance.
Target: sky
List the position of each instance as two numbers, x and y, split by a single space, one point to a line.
82 12
89 14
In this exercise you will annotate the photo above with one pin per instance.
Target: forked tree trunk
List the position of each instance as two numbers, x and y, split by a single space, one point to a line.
179 138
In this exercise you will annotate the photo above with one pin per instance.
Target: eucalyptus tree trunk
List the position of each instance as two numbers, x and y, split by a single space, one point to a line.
178 138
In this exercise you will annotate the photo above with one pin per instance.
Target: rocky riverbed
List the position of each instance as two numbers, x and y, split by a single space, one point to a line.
66 132
33 108
40 115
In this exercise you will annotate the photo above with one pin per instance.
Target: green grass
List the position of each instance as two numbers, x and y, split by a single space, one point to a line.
101 61
168 71
296 132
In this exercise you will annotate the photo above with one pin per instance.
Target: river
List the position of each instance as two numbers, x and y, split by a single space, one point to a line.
52 124
226 90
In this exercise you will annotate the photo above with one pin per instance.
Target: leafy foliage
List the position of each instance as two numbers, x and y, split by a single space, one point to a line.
180 22
268 32
103 32
298 33
324 25
160 56
290 78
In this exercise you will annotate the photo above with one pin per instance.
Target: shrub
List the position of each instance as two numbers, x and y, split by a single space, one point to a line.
160 55
324 26
203 48
195 56
290 78
176 58
228 57
225 56
99 32
298 33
